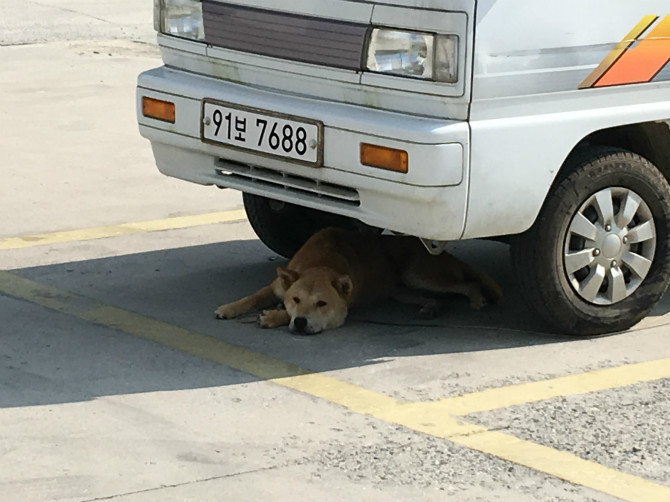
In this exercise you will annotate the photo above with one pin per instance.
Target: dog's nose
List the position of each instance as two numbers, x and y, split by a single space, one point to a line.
300 323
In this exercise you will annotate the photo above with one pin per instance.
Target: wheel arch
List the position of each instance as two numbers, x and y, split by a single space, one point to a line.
650 140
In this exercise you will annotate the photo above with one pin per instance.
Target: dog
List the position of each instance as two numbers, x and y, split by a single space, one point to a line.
338 268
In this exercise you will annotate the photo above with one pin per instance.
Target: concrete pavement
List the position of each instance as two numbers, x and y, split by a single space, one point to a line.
116 382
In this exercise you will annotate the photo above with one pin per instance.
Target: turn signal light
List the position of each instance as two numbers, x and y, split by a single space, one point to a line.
157 109
384 158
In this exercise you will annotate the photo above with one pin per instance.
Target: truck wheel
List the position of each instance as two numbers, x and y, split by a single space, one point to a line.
597 259
284 227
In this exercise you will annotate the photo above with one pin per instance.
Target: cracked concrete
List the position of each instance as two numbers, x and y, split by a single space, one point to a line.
26 23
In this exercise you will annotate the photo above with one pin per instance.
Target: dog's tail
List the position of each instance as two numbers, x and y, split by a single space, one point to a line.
490 288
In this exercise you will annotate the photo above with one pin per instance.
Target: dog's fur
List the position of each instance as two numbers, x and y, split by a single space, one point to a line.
337 268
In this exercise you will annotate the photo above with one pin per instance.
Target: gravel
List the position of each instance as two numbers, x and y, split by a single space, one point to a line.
400 457
625 429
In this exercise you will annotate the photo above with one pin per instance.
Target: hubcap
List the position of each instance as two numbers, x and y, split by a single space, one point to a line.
609 246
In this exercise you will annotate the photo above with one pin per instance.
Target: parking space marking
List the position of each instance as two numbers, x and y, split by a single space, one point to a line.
567 466
203 346
87 234
571 385
425 417
240 358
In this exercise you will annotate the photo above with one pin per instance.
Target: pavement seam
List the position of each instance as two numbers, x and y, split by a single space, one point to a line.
185 483
73 11
432 418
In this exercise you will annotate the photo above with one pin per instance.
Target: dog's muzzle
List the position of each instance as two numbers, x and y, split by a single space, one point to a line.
300 327
300 324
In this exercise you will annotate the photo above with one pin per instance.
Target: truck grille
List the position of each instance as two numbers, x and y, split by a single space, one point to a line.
282 35
245 178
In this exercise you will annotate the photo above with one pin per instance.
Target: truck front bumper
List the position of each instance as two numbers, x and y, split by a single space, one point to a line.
428 201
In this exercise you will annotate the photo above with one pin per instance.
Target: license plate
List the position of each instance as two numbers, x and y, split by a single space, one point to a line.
262 131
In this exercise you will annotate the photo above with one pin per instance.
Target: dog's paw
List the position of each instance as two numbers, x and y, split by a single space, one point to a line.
273 318
227 311
478 303
430 310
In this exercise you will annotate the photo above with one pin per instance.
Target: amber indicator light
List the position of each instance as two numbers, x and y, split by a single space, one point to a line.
384 158
157 109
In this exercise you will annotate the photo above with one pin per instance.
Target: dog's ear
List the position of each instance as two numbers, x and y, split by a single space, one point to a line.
286 277
344 286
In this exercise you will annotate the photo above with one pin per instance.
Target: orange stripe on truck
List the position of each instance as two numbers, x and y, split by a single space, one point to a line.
634 61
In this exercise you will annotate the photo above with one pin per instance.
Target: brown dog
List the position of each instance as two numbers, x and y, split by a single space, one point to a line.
336 268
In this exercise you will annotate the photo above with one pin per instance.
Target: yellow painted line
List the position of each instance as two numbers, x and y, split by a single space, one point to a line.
567 466
87 234
203 346
583 383
421 417
239 358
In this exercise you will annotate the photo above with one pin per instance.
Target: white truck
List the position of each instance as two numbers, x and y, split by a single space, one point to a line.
547 123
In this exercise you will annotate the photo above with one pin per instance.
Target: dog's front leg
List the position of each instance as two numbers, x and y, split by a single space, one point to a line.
263 298
274 318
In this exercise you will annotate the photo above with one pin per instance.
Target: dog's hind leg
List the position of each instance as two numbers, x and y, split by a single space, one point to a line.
473 290
429 306
263 298
445 274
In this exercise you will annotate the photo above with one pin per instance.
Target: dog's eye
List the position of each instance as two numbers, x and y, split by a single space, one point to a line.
320 303
296 299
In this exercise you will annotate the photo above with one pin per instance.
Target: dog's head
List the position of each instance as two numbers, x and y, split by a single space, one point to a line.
317 299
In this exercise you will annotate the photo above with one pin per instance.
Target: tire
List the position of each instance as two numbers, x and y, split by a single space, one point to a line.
589 268
285 227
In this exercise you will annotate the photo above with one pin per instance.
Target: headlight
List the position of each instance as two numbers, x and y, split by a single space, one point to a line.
412 54
181 18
